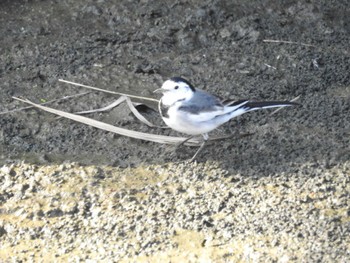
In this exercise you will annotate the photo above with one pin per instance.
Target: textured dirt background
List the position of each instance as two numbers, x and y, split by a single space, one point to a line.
72 192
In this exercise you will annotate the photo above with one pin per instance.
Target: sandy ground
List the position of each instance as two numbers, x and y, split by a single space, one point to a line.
70 192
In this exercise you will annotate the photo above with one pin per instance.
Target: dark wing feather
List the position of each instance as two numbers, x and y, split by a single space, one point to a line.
232 103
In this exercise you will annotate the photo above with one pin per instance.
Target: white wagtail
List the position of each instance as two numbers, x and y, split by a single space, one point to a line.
192 111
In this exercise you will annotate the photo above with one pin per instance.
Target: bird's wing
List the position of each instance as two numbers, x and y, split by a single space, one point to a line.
205 107
201 107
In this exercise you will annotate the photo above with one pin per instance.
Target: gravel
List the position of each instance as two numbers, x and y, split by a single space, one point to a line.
73 212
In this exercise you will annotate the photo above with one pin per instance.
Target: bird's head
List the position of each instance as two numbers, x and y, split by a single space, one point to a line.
176 89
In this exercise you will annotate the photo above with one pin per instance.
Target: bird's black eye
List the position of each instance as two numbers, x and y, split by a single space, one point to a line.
176 87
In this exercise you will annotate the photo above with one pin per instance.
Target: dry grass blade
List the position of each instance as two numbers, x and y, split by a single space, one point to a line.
137 114
115 104
47 102
108 127
286 42
230 136
277 110
108 91
108 107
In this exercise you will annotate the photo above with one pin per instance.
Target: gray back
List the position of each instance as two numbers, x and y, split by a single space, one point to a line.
201 102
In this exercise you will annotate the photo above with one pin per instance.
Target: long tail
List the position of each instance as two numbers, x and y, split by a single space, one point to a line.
243 106
236 108
251 105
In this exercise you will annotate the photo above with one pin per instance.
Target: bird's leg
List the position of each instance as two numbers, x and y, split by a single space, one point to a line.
206 137
200 148
183 142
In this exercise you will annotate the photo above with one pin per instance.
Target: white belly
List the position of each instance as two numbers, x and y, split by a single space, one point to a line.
179 121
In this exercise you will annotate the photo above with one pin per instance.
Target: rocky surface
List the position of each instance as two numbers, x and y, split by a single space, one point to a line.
72 212
69 192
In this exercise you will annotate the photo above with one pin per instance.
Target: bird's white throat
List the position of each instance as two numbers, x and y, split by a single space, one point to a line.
171 97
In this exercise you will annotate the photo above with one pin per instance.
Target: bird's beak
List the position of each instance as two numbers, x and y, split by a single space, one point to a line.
160 90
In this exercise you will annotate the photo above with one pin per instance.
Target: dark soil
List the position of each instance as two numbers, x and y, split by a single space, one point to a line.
223 47
219 46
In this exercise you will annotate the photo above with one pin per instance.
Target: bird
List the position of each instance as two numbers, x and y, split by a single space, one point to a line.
194 112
